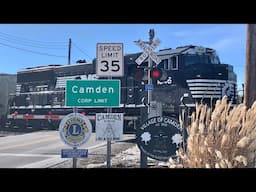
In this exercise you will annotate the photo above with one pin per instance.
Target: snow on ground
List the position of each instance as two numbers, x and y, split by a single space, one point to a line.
129 158
123 155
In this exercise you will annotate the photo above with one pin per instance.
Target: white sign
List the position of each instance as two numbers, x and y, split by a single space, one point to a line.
110 60
109 126
75 129
148 51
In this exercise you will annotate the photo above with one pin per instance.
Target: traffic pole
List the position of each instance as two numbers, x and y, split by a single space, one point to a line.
143 156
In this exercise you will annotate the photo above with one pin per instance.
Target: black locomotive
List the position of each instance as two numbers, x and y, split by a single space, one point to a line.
189 74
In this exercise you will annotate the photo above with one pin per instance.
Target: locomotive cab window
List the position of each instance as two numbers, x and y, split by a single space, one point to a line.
167 65
174 63
199 59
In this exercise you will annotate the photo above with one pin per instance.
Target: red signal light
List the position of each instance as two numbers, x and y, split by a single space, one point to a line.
156 73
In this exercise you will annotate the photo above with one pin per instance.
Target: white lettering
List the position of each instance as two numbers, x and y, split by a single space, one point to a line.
110 90
98 89
74 130
88 90
74 89
104 90
84 100
100 100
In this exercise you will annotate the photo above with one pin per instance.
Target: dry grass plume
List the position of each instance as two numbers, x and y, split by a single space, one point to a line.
223 138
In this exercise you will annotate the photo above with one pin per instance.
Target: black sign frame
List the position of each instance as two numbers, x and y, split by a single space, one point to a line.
160 137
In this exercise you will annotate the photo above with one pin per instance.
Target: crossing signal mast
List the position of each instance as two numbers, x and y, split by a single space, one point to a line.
153 73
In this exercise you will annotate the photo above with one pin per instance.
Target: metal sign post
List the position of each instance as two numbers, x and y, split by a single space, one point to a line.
109 110
74 148
110 63
108 153
148 52
74 159
109 127
75 130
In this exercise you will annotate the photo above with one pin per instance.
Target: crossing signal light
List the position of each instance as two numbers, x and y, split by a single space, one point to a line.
130 91
156 73
138 74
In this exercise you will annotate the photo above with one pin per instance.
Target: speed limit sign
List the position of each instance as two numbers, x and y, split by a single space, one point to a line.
110 60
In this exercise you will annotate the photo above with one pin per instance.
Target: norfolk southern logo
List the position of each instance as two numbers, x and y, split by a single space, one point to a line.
75 129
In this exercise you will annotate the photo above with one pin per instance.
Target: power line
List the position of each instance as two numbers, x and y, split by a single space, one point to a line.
81 50
36 52
37 46
25 39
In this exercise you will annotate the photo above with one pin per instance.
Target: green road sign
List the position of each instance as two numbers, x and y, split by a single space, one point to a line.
93 93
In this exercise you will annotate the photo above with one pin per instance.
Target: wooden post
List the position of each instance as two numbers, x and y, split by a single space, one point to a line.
250 73
69 50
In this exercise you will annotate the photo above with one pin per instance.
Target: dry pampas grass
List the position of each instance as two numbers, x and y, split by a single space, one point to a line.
223 138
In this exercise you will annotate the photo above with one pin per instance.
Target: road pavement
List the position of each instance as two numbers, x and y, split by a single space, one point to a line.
38 149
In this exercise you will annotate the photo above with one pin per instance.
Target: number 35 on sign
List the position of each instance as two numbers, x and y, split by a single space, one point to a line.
110 60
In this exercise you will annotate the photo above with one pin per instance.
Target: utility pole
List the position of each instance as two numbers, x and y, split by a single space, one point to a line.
242 93
69 50
250 72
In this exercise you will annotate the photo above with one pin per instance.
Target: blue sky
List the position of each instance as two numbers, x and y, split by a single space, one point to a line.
29 45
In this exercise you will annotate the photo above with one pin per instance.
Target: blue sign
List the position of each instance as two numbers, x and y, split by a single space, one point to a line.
74 153
149 87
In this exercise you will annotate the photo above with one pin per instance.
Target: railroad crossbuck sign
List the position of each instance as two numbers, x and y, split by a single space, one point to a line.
148 51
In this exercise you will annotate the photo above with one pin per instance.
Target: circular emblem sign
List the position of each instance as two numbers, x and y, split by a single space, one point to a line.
160 137
75 129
